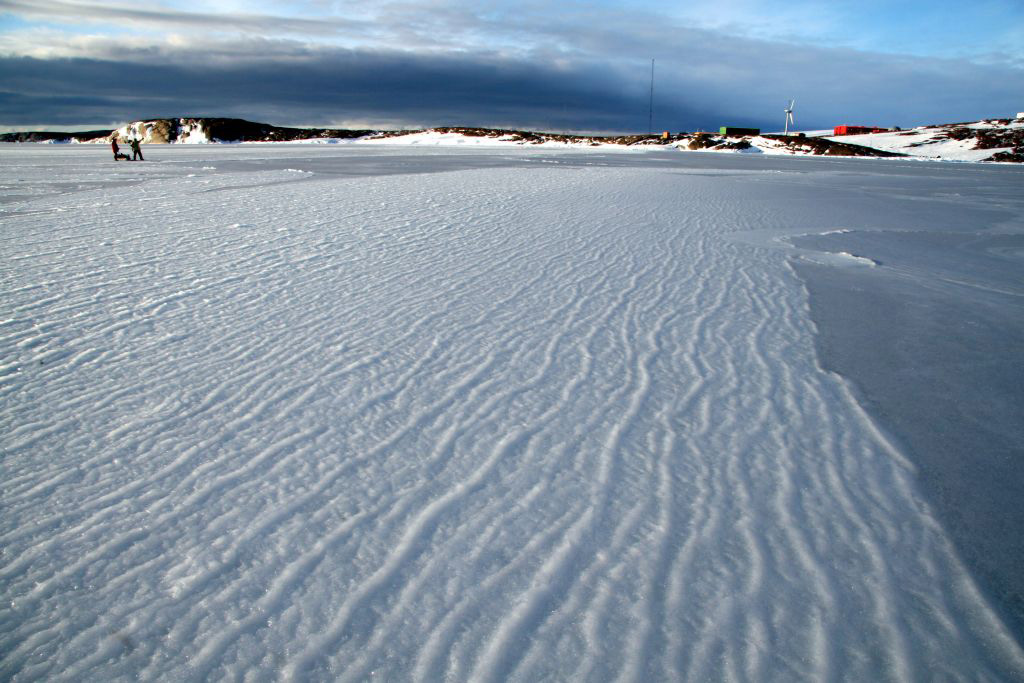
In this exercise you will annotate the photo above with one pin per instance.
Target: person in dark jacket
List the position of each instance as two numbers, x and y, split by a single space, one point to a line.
113 146
136 152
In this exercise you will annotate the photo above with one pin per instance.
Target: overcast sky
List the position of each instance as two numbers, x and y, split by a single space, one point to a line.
572 65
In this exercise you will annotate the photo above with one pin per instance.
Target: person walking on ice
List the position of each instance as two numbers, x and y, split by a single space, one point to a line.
113 146
136 152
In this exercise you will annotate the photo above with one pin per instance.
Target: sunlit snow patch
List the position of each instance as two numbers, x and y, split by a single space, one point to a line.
841 258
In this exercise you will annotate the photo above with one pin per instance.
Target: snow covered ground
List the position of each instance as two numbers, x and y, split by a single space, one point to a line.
353 412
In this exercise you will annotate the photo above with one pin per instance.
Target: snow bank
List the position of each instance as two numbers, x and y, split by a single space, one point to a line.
455 139
192 133
840 258
436 138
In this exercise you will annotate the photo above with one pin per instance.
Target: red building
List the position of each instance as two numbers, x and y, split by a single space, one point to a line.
857 130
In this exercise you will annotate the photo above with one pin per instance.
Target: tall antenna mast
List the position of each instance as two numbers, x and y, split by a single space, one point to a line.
650 115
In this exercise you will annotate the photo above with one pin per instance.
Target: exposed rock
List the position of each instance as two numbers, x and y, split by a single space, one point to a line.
160 132
703 141
737 144
1016 155
986 138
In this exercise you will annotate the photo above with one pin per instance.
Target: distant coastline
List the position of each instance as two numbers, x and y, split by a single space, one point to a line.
994 140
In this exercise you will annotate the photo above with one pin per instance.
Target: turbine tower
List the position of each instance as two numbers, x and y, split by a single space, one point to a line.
789 115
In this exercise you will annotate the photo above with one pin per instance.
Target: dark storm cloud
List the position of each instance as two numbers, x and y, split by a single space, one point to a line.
703 80
339 85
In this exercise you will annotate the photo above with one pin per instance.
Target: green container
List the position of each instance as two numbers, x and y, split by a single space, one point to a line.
730 130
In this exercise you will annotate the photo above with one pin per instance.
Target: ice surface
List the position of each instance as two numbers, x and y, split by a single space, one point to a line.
341 413
935 342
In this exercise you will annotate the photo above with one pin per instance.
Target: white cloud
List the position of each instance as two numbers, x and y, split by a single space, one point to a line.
158 18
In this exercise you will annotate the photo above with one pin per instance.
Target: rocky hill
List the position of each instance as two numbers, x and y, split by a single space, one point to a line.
54 136
778 144
987 140
206 130
191 130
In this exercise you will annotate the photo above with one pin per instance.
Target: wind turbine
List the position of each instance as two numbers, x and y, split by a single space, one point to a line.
789 115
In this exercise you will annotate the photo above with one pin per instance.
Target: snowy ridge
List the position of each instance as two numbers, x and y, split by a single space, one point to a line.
953 142
996 140
490 424
445 137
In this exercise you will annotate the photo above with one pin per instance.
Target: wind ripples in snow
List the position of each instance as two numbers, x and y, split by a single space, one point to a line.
487 425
